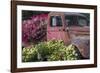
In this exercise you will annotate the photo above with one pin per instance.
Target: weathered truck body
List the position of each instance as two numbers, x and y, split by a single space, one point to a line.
72 28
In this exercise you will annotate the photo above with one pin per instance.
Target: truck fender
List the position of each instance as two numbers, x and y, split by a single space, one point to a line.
83 45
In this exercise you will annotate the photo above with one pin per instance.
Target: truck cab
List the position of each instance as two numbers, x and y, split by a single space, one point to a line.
72 28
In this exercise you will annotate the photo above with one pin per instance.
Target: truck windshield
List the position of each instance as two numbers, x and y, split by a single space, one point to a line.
55 21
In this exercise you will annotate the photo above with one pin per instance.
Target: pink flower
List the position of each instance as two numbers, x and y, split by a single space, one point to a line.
31 28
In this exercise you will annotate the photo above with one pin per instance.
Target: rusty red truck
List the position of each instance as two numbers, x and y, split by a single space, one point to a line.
72 28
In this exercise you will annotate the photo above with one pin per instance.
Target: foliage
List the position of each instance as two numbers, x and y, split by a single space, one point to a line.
29 54
62 52
26 14
34 29
53 50
43 50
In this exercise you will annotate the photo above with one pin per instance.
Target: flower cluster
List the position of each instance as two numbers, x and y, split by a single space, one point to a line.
34 29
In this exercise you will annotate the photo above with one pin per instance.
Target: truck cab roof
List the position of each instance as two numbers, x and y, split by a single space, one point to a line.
67 13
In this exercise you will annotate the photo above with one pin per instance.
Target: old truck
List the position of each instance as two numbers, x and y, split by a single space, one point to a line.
72 28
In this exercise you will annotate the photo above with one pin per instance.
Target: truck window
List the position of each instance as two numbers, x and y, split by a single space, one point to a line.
76 21
55 21
82 21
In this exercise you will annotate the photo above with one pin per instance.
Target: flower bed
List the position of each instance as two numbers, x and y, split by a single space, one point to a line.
50 51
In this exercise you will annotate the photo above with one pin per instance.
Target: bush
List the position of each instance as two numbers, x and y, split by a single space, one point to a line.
43 50
29 54
50 51
34 29
62 52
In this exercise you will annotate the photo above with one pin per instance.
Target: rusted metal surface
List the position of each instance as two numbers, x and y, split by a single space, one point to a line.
76 35
83 46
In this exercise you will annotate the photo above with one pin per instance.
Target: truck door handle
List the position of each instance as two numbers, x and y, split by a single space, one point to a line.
63 29
59 29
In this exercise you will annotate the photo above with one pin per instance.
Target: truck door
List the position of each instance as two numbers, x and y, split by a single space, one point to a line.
55 29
